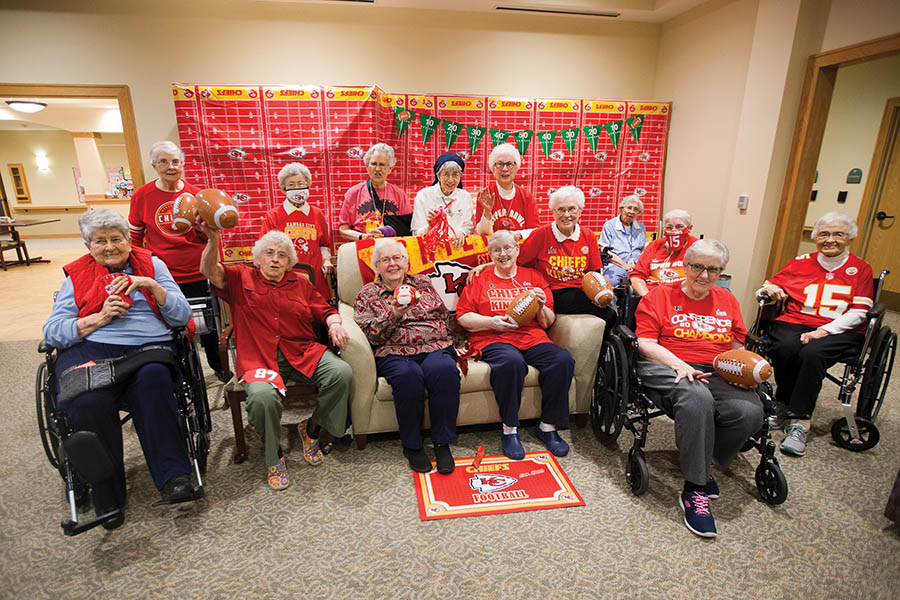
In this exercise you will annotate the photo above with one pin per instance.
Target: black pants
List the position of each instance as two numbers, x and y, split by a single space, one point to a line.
800 368
573 301
210 340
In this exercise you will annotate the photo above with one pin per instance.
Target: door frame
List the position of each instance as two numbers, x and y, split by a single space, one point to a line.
120 93
809 128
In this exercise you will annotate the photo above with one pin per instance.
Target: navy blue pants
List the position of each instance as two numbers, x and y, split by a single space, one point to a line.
150 398
209 340
409 377
509 366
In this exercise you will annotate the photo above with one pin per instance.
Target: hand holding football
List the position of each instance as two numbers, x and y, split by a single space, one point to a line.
742 367
523 308
597 288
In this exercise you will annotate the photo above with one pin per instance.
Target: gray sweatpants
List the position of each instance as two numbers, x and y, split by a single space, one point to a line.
711 419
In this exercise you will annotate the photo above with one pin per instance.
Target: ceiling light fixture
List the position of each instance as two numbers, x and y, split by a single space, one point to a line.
26 106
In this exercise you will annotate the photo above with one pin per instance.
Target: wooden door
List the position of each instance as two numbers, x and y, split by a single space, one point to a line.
884 218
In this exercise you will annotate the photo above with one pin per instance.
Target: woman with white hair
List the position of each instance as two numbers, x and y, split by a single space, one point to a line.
503 204
413 346
827 294
445 203
150 223
275 311
303 223
366 203
681 327
625 237
114 300
663 259
563 252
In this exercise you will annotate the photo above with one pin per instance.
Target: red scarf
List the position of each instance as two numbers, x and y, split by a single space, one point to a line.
89 290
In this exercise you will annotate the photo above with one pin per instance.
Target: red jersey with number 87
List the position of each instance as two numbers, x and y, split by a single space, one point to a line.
817 297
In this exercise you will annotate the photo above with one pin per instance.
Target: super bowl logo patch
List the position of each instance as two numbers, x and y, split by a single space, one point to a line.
490 482
678 307
551 250
720 313
584 249
829 276
851 271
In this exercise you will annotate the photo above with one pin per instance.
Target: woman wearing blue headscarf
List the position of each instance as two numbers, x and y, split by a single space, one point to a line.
444 204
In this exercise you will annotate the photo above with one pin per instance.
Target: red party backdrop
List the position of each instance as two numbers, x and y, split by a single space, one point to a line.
237 138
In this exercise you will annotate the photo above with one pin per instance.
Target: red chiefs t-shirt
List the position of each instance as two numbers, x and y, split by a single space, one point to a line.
150 226
490 295
514 214
309 232
816 297
657 265
271 316
693 330
564 263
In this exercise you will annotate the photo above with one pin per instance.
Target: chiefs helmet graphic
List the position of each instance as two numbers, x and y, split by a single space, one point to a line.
490 482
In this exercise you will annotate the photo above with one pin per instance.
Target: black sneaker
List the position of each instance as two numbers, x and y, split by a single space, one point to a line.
180 487
444 459
697 516
418 460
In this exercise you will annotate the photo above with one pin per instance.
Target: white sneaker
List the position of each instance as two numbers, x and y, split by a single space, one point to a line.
794 442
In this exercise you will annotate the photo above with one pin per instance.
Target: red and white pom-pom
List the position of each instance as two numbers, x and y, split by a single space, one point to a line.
438 233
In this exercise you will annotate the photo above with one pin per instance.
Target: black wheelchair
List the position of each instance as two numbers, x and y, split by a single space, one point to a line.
618 402
81 458
869 369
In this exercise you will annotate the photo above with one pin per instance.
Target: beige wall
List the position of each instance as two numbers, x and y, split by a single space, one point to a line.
860 94
56 186
855 21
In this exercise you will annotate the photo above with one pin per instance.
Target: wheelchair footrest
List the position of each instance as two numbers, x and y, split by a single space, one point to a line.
71 528
197 494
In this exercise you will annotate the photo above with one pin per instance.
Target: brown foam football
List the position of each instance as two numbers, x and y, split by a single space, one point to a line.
216 208
597 288
743 367
184 211
523 308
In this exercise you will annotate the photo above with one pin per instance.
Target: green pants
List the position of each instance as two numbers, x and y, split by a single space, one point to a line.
332 380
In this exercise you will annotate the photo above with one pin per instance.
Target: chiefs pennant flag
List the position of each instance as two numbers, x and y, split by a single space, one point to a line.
497 485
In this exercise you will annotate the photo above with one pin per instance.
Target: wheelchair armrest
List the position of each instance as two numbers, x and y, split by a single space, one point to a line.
45 348
876 312
626 333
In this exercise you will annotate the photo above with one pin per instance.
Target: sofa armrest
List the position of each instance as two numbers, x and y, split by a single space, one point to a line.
582 336
358 354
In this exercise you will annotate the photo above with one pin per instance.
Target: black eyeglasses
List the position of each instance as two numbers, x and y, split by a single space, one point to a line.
698 268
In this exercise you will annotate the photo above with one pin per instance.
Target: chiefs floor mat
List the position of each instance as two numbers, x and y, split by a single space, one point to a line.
497 485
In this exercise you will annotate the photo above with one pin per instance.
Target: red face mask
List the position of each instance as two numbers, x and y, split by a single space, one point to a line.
676 238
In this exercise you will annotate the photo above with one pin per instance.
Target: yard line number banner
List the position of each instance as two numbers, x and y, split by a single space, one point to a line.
237 138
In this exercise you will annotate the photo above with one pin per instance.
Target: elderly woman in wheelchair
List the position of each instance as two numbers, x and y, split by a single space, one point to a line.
681 327
826 296
117 303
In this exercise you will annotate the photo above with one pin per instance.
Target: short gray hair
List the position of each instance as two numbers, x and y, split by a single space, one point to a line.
380 147
502 234
564 193
450 165
708 247
632 198
382 244
502 150
677 213
292 169
101 218
164 146
832 218
279 239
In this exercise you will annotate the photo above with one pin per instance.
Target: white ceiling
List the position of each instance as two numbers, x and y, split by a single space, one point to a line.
647 11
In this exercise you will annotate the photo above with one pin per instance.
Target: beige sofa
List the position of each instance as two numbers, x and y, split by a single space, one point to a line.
371 398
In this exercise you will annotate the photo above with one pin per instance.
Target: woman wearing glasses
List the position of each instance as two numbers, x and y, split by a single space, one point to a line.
509 348
367 202
563 252
413 347
503 204
303 223
827 294
445 203
681 327
663 259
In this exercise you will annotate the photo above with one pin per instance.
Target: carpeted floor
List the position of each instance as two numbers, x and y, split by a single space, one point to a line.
350 528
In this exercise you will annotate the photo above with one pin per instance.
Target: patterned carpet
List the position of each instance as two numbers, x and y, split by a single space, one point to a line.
350 527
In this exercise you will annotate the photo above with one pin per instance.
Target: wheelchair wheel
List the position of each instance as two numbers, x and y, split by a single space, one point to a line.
610 397
771 483
868 434
45 405
877 374
638 475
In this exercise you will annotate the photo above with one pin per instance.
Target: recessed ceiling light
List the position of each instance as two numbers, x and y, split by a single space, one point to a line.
26 106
